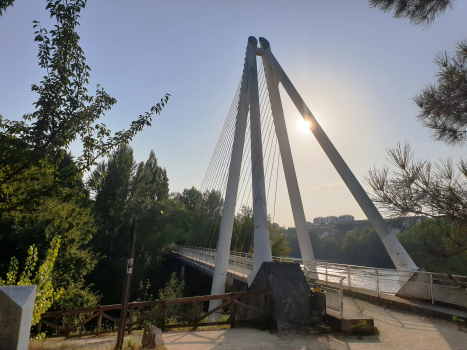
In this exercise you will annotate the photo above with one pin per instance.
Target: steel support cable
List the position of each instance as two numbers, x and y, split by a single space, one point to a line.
211 164
275 193
244 174
214 227
235 100
219 152
230 126
219 183
272 167
212 169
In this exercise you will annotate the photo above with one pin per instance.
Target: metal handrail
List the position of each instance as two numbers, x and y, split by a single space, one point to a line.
242 261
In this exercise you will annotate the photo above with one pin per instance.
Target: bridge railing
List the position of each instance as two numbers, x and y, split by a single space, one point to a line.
368 280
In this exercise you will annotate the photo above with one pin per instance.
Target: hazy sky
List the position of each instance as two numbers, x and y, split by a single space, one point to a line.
356 68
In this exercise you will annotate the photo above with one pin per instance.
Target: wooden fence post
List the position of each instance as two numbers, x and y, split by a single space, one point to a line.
232 313
164 308
68 326
99 322
131 319
195 325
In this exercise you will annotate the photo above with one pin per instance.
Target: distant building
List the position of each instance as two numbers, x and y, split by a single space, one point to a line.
309 224
346 218
325 221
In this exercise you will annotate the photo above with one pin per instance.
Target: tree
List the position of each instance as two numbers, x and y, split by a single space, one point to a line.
418 12
124 189
443 106
33 148
279 243
42 195
418 187
4 4
243 234
426 241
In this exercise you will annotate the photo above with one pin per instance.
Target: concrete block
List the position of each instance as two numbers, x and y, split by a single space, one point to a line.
152 337
290 294
16 306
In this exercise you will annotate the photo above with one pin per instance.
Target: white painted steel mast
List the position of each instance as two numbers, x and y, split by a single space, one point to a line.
262 246
230 201
288 165
398 254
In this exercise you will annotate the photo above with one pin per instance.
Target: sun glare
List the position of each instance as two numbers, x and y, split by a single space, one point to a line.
304 125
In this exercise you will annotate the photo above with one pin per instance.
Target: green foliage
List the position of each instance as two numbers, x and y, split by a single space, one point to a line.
243 234
359 246
279 243
130 344
45 293
173 289
442 106
418 187
4 4
144 292
64 113
124 189
75 225
437 246
418 12
459 321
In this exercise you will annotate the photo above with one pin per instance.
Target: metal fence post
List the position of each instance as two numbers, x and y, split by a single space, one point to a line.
377 282
348 273
326 264
432 292
341 299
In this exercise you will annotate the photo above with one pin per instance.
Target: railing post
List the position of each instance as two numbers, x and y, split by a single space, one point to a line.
232 313
326 264
195 325
341 299
68 326
243 270
377 282
165 316
99 322
432 291
234 268
130 320
348 273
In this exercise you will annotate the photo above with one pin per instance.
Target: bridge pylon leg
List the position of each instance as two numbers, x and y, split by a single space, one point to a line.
298 213
230 201
262 244
398 254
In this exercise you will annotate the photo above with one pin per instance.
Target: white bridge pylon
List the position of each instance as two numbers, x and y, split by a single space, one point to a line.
249 100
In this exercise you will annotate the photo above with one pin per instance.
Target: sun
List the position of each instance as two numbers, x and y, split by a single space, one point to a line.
304 125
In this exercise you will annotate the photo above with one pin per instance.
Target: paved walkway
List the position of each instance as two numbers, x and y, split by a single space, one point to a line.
397 330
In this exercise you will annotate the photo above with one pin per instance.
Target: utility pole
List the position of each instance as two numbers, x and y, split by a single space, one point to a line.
126 288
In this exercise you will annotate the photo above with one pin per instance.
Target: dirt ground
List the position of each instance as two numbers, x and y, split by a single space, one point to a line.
397 330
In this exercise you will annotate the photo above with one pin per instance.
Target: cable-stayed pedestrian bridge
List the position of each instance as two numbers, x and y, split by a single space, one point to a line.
371 281
240 186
